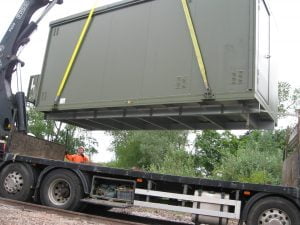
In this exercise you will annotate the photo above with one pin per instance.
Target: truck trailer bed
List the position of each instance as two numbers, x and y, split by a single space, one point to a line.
210 200
169 181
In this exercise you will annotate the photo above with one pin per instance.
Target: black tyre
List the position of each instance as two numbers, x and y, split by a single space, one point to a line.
61 189
273 210
16 181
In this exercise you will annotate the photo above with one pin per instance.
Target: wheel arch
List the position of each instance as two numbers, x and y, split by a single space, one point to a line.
47 170
4 164
257 197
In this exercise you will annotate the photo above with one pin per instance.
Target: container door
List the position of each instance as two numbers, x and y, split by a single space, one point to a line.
263 75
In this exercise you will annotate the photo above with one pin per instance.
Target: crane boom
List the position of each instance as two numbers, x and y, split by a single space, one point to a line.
13 111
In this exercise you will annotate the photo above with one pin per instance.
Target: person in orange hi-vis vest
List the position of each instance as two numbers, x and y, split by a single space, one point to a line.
79 157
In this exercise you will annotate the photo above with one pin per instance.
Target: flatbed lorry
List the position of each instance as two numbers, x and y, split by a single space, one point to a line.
44 177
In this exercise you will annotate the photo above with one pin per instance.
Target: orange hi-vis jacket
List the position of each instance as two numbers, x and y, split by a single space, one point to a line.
77 158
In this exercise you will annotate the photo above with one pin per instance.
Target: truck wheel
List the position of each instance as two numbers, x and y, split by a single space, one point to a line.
16 181
273 210
61 189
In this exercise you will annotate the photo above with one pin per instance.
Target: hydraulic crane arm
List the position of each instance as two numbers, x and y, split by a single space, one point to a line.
12 107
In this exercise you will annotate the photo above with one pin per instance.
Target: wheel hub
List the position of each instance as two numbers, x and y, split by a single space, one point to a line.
274 217
13 183
59 192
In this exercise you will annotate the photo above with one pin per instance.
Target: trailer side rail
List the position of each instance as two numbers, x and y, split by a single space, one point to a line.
195 199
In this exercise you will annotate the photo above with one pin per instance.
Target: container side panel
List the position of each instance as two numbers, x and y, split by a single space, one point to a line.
266 80
263 51
140 56
223 31
274 60
86 81
169 54
126 54
62 40
111 61
143 54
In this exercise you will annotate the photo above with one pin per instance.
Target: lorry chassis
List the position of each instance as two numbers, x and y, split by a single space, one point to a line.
71 186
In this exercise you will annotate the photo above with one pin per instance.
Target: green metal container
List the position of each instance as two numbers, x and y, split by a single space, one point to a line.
137 68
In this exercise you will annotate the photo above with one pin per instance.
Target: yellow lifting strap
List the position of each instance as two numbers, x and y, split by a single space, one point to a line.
74 55
195 43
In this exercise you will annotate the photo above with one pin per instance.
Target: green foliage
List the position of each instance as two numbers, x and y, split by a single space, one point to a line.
257 160
39 127
283 95
259 177
255 157
176 162
111 164
210 147
143 149
65 134
73 137
264 140
288 98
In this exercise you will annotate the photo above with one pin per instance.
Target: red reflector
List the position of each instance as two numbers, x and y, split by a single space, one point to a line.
247 193
139 180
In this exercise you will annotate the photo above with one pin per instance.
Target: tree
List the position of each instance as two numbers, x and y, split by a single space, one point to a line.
40 128
258 159
288 98
210 146
73 137
58 132
145 148
176 162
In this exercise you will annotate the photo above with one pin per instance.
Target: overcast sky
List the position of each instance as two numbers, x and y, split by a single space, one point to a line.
285 12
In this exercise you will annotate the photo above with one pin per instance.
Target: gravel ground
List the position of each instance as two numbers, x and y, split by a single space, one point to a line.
15 215
155 214
160 214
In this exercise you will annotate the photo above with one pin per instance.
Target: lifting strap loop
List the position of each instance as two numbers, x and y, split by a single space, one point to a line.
196 44
74 56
